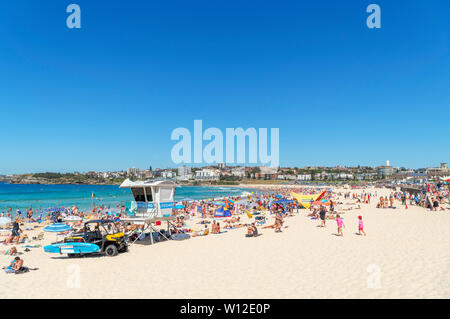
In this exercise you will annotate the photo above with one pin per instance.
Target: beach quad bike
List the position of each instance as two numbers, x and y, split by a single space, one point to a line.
103 233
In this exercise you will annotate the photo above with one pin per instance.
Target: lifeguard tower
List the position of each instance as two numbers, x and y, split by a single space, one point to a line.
154 202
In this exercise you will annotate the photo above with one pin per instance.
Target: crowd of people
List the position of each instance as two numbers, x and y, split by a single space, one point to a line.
251 211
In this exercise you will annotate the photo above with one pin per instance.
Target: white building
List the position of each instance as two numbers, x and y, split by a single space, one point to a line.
168 174
132 171
304 177
238 171
184 170
207 173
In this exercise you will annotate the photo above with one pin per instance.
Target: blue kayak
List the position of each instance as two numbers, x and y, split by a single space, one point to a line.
72 248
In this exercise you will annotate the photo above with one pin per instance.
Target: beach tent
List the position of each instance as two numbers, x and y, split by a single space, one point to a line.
306 200
221 212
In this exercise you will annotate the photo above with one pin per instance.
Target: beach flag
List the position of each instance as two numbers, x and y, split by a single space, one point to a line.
250 216
93 194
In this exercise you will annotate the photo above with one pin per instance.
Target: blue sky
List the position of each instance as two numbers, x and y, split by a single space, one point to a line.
107 96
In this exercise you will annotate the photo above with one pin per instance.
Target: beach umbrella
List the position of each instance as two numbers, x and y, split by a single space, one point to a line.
241 202
57 228
5 221
219 203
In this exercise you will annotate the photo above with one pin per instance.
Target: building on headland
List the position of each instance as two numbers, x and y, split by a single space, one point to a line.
385 170
267 173
207 174
166 174
442 170
238 171
304 177
132 171
184 170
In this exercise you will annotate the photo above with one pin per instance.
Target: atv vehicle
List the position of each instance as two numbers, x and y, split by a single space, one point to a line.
103 233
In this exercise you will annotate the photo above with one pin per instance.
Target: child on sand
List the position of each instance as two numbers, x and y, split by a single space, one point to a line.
340 223
361 226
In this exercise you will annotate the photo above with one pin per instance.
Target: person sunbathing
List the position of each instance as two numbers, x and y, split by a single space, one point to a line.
10 252
14 266
203 232
252 231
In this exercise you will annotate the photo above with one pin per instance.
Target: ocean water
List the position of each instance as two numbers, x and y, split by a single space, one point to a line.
21 197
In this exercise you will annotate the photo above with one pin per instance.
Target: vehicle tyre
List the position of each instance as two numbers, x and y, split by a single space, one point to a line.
111 250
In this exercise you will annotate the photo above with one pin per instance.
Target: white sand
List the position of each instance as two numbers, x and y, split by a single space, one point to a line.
408 249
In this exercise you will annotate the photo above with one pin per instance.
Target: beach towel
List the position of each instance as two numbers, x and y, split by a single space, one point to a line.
9 270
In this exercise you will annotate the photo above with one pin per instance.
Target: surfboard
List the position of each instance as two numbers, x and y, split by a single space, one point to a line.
72 219
72 248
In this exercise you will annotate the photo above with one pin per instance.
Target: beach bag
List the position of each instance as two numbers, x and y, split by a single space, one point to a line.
22 270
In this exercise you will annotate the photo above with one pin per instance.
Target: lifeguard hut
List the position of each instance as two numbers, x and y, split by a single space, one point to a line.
154 201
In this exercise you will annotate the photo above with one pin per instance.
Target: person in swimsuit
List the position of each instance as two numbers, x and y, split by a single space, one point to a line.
10 252
361 226
15 233
278 221
14 266
252 231
340 224
322 215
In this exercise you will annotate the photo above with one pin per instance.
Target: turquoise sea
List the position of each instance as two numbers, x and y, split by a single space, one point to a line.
21 197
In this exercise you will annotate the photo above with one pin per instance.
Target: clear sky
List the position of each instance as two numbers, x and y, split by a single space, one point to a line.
107 96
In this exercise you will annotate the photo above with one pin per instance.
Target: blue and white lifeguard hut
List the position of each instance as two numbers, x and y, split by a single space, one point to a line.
154 200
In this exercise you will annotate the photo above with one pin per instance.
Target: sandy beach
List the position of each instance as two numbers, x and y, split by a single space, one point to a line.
406 254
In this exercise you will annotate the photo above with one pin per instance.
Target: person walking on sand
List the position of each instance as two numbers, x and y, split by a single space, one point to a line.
322 215
361 226
340 224
15 233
